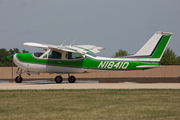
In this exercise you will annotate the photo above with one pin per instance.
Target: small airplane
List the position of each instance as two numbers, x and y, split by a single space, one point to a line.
82 59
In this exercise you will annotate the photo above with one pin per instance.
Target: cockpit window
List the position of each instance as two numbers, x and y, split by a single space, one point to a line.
38 54
54 55
70 55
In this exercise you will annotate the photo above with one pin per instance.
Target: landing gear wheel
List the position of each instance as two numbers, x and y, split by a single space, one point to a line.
18 79
58 79
71 79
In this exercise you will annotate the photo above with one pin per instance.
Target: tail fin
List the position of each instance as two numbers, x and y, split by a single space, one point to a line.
155 46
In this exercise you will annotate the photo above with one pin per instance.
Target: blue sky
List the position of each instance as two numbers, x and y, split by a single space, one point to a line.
113 24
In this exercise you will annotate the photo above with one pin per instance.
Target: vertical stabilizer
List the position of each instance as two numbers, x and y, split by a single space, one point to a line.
155 46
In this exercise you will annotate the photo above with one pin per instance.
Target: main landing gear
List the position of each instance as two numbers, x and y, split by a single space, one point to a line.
59 79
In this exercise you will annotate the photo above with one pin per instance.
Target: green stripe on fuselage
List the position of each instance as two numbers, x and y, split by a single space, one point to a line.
114 65
87 63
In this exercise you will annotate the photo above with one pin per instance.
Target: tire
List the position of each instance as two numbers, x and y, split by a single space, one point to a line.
71 79
58 79
18 79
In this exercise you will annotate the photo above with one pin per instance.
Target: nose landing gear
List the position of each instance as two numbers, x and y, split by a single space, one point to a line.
19 79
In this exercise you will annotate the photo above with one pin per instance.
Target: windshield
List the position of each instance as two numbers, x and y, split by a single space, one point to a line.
39 53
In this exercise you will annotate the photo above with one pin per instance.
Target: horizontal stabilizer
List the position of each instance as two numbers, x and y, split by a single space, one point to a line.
146 66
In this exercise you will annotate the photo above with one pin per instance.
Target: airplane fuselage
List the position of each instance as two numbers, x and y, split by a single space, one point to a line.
29 62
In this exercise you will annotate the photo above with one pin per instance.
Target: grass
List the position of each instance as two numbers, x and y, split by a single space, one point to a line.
90 104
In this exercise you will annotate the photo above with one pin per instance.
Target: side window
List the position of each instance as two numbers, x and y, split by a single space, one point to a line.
45 56
70 55
54 55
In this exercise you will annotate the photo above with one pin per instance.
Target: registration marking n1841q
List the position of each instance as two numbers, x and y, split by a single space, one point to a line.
114 65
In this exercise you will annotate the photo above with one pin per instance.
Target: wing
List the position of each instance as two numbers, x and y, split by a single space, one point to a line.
81 49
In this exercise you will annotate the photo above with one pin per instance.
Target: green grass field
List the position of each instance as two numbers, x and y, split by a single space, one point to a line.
89 104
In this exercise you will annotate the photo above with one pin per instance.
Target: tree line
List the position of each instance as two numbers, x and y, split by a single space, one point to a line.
3 53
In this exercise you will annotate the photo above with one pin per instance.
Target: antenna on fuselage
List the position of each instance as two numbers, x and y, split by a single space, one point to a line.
73 41
64 41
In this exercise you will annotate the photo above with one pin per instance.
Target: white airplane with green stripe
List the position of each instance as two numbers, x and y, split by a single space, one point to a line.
82 58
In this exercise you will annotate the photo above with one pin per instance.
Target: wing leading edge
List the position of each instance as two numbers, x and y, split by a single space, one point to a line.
81 49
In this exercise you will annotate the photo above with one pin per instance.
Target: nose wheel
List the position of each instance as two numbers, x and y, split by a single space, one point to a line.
18 79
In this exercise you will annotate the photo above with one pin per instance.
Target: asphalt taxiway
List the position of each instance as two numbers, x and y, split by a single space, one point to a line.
45 84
